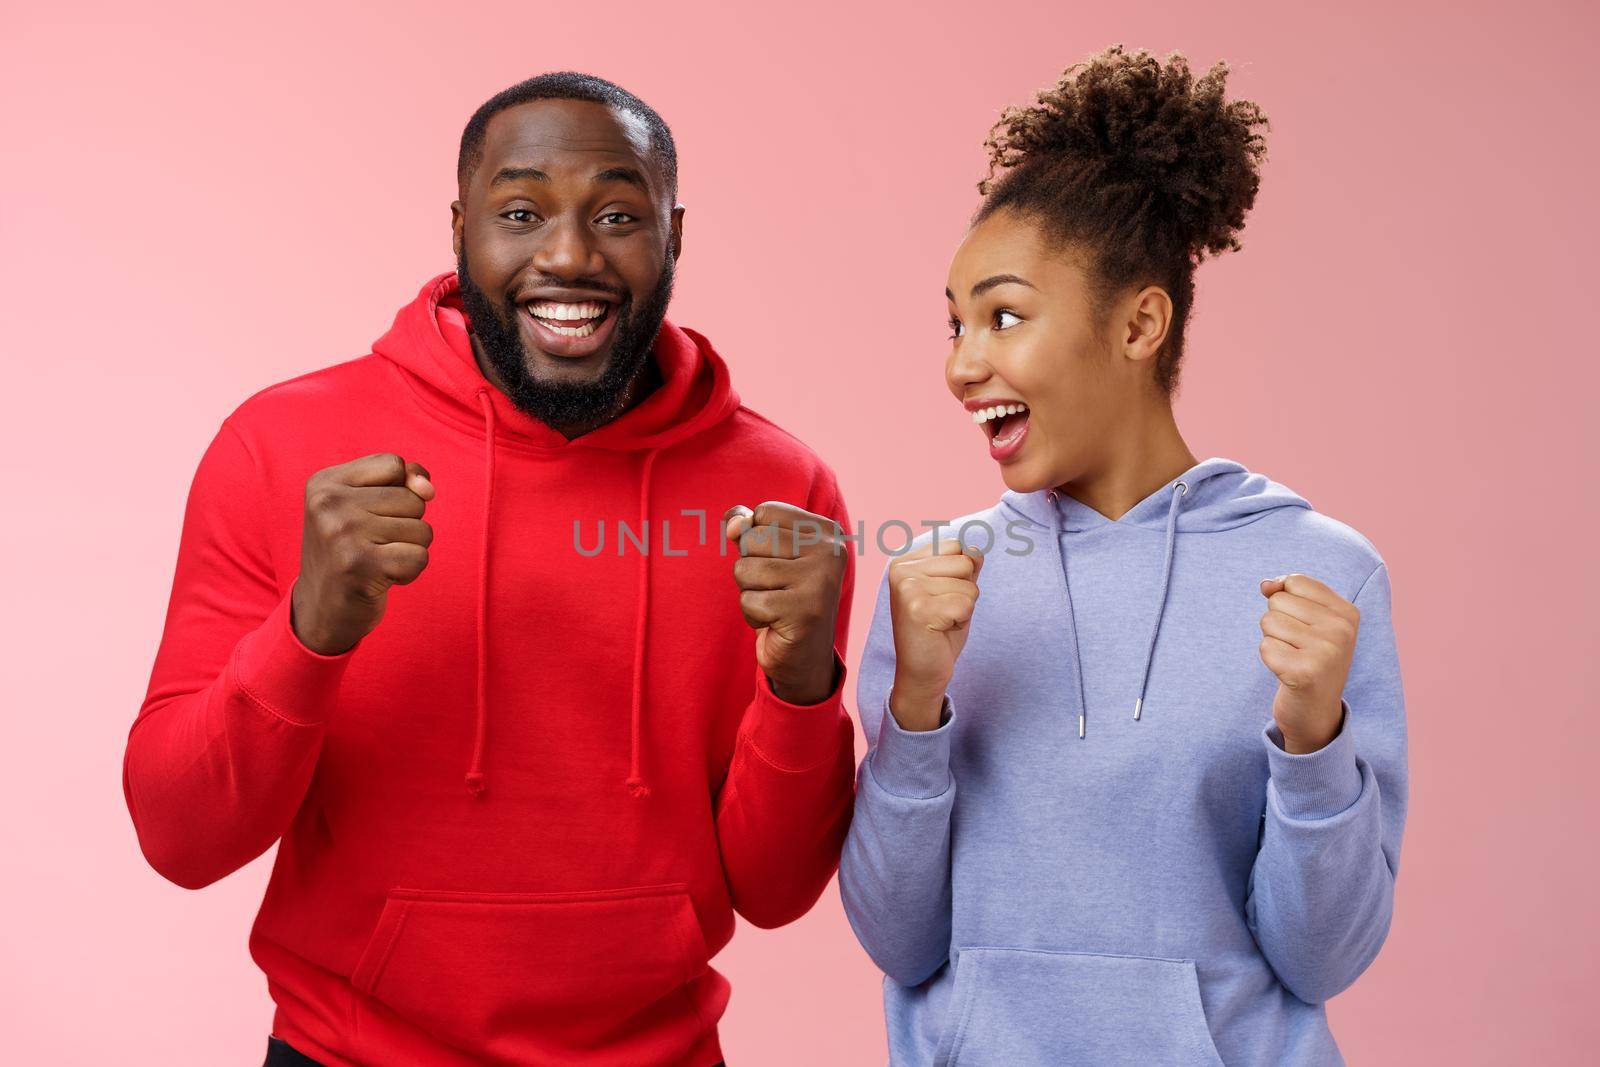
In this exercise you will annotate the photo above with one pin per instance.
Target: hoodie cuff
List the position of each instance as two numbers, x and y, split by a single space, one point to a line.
914 764
798 737
1314 785
278 672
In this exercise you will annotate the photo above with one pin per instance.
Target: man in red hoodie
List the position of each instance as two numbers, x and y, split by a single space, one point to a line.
519 801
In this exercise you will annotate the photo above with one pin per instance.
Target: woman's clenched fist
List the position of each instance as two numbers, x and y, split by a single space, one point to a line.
932 593
363 533
1308 638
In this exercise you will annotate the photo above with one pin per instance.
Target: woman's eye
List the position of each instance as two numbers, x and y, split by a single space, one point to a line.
1004 320
956 329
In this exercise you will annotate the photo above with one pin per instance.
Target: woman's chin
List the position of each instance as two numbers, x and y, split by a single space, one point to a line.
1024 477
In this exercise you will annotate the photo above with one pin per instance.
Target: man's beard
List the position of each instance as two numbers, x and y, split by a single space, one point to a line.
566 405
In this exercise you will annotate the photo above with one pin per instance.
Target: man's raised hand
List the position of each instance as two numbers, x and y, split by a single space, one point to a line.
789 573
363 533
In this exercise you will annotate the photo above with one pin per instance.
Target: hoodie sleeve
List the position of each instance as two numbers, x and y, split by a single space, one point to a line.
224 745
784 809
1322 890
894 876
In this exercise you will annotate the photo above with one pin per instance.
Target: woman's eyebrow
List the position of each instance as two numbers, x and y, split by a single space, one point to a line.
993 280
1001 279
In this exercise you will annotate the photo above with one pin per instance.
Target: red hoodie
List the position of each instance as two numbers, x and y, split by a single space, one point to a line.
517 817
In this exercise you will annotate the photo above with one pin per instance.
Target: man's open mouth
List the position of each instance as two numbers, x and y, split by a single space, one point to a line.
565 319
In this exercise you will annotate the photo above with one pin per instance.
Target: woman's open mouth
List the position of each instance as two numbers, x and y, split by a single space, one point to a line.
1006 425
570 328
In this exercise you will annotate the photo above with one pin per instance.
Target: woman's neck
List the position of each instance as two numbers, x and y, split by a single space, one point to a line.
1146 453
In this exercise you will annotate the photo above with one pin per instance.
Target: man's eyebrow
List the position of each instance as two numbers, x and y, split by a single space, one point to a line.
622 174
517 174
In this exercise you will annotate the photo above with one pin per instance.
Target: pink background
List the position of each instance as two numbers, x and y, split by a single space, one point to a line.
200 200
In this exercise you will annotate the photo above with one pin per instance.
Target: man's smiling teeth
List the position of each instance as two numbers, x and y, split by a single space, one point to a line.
983 415
584 316
551 309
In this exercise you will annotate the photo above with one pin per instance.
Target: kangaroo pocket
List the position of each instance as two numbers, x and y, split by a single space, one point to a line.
542 977
1022 1007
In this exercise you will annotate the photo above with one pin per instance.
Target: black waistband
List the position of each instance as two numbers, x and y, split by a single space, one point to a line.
282 1054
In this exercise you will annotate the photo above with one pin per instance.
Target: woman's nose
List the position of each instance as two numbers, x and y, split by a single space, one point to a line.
965 367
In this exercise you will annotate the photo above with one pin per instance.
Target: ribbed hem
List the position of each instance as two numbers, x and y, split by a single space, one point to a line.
1314 785
914 764
798 737
276 670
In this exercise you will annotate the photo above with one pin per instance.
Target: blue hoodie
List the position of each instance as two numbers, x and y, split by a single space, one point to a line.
1104 855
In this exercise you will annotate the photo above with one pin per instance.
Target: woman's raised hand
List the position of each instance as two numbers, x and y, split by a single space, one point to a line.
933 590
1308 638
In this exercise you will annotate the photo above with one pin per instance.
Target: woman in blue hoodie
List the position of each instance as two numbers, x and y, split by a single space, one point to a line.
1141 802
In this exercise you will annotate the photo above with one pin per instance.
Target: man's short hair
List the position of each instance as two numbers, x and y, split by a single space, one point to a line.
567 85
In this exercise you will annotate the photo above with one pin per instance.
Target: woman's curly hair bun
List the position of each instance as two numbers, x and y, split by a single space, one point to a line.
1127 117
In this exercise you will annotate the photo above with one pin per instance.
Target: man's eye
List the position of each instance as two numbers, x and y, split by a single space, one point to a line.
514 212
1004 320
616 218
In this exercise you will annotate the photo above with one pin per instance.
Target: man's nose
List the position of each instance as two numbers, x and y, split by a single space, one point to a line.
569 251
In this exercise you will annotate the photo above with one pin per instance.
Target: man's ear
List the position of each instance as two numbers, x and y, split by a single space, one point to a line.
457 224
1146 322
675 242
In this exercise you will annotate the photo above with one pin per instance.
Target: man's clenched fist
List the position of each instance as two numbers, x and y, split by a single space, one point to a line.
789 573
932 594
363 533
1309 635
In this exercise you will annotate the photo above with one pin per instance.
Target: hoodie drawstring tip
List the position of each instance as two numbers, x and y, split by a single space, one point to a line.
1138 706
1080 725
637 788
475 783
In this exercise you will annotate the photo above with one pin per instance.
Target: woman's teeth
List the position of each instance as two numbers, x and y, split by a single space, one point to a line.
983 415
569 320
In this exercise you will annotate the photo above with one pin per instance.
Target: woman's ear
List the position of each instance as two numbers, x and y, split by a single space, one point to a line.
1147 321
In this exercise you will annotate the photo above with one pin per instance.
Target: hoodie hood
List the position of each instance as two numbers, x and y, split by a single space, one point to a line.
1218 494
431 343
1214 495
